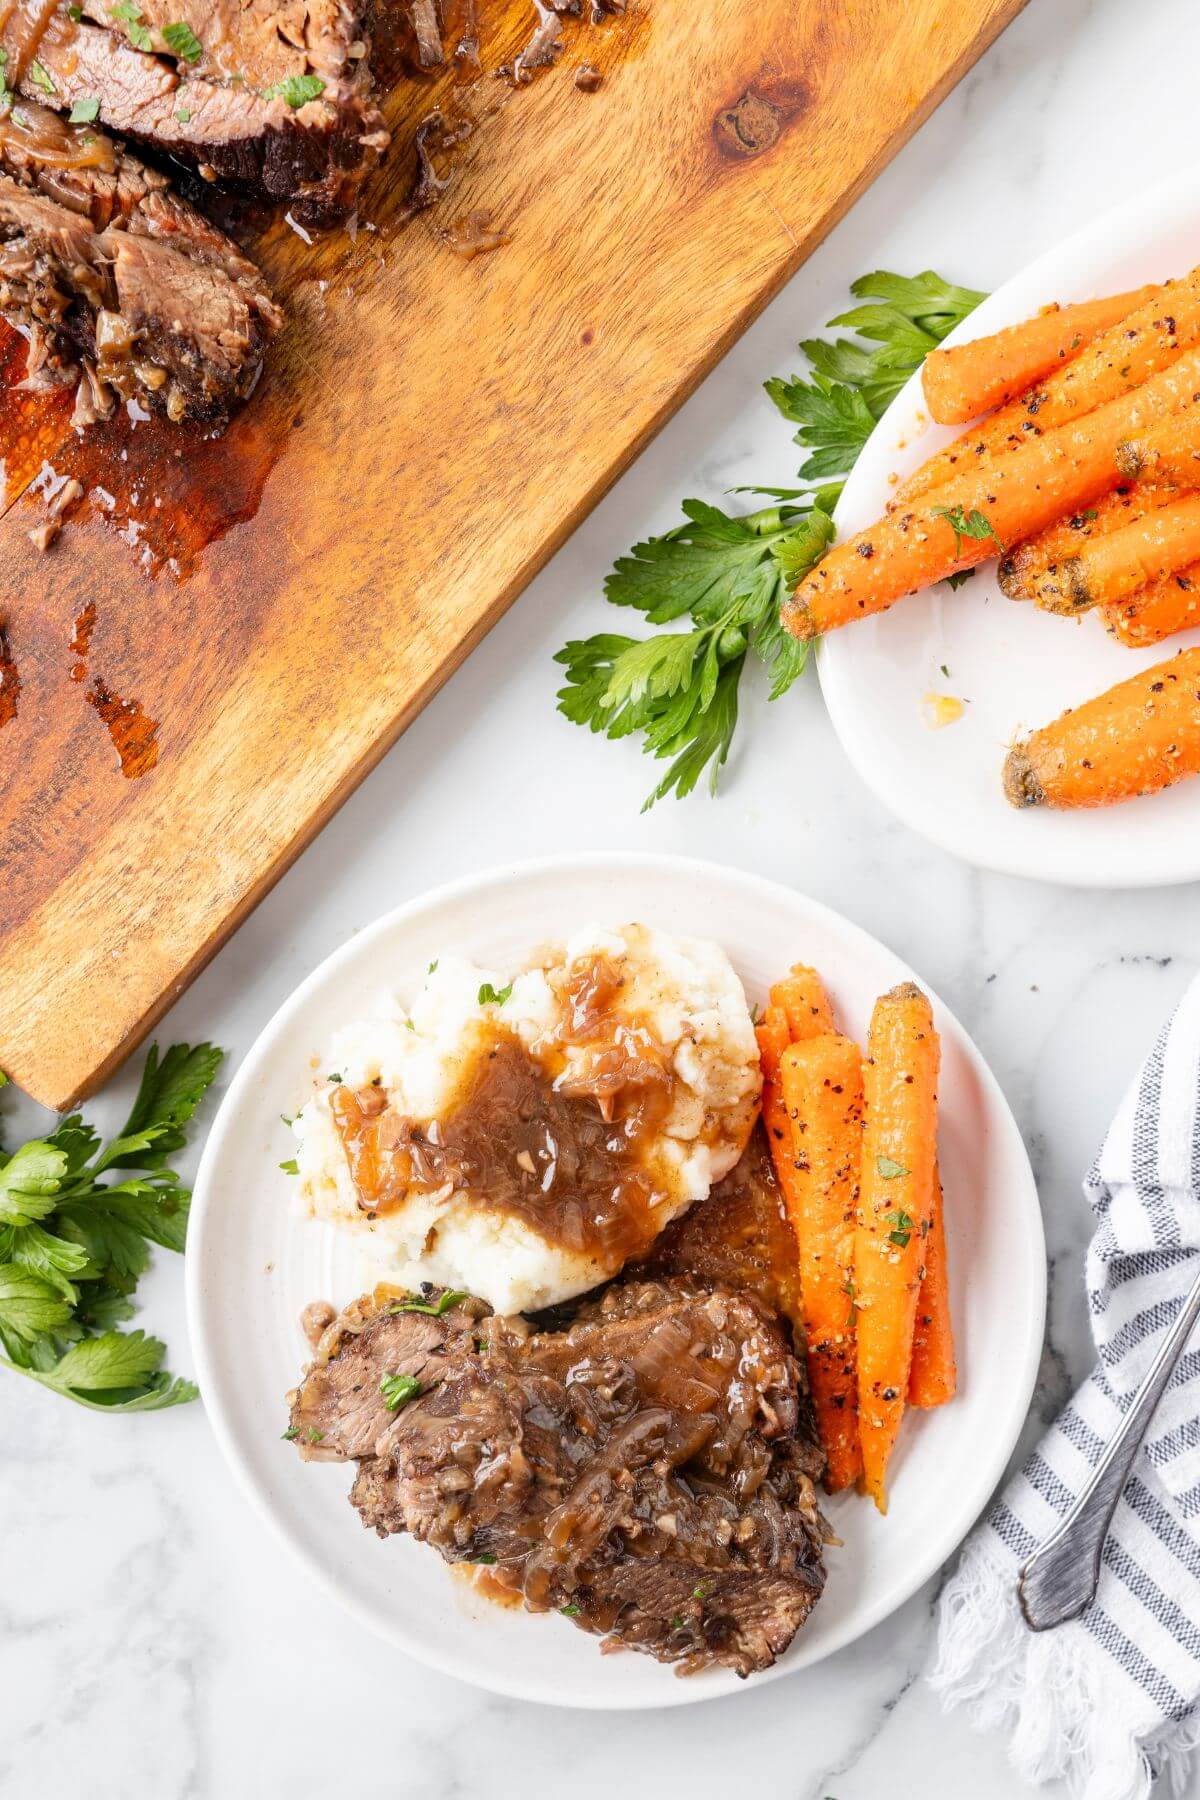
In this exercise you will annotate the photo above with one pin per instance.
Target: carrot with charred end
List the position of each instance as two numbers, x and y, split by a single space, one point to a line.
1008 499
933 1378
804 1002
1018 572
1157 611
895 1201
822 1085
1170 453
1142 345
1140 736
1111 567
966 380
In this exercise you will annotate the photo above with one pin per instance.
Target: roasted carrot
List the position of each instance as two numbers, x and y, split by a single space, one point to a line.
1157 611
970 379
821 1080
1146 342
1140 736
933 1377
1007 499
773 1039
1110 567
1018 572
1170 453
895 1203
804 1002
814 1015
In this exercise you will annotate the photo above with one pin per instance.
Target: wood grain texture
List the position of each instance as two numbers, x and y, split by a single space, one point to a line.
279 604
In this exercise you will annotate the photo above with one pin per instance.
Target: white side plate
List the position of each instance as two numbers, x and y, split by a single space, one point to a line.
1017 668
252 1264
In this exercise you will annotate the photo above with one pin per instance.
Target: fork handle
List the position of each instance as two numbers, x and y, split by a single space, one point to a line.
1060 1579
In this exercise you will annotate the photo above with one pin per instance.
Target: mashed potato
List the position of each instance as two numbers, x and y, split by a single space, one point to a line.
677 998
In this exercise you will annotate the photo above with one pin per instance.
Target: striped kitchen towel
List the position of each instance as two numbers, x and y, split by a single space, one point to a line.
1111 1700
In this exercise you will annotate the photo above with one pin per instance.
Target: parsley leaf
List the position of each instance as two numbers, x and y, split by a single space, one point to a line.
718 579
29 1182
398 1390
966 525
435 1308
297 90
903 1226
73 1242
490 996
83 112
888 1169
129 15
183 41
679 689
40 78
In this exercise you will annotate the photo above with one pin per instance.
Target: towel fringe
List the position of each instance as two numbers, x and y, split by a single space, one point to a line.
1055 1695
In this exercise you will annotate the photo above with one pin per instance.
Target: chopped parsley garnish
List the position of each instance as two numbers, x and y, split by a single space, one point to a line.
434 1308
888 1169
485 1557
956 577
903 1229
131 16
183 41
677 1622
291 1166
851 1292
75 14
571 1611
297 90
335 1078
84 112
313 1435
717 579
433 965
702 1592
398 1390
183 115
966 525
490 996
40 78
293 1431
945 672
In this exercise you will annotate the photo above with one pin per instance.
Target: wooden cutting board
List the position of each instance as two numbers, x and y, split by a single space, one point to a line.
230 633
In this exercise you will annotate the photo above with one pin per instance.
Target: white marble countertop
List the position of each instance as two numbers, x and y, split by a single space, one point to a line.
155 1640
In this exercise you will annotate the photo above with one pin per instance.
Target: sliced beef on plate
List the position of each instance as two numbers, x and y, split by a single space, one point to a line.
278 100
105 269
647 1470
339 1410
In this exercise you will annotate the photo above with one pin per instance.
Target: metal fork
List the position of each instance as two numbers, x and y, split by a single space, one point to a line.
1059 1581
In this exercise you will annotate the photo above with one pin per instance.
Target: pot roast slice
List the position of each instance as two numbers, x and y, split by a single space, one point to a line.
648 1471
107 272
338 1411
274 99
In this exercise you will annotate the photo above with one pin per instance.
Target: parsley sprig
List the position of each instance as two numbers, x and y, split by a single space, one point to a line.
722 576
77 1217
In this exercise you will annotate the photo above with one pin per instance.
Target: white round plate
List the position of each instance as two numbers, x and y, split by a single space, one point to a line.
1017 668
252 1263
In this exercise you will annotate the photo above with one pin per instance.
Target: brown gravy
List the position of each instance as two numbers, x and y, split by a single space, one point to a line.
567 1159
34 131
